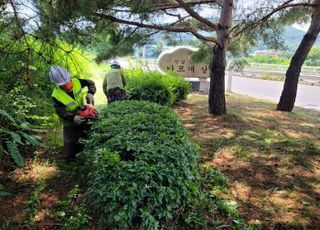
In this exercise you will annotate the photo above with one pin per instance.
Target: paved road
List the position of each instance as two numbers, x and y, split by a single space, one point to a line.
307 96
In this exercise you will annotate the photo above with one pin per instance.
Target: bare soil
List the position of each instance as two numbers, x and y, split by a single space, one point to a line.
29 206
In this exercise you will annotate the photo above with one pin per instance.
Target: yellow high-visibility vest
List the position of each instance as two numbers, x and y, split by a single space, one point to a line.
70 103
114 79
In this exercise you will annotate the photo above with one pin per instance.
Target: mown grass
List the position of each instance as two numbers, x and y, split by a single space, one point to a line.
271 158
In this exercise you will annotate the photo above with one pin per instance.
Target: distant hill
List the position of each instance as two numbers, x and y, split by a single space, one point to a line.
293 37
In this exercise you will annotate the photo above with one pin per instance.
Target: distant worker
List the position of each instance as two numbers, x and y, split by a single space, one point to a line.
114 83
69 100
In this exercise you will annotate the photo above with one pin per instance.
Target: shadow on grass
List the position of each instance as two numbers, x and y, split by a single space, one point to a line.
271 158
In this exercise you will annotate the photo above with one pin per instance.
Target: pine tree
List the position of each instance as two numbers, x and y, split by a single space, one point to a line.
289 91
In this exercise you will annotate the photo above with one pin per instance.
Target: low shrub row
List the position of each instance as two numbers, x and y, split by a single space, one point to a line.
142 167
164 89
268 60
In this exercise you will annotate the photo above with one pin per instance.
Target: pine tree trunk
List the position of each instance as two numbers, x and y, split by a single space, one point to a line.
289 91
217 102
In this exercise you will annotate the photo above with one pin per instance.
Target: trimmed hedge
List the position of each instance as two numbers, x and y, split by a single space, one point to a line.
179 87
142 166
149 89
164 89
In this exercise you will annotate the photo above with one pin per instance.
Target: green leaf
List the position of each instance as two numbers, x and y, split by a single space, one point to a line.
3 193
304 202
28 127
61 213
6 115
14 152
4 131
31 139
16 137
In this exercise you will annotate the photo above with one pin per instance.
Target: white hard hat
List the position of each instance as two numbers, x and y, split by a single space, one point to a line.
59 75
115 64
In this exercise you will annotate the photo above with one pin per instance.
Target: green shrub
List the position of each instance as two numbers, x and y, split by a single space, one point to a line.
313 58
152 90
268 59
14 135
164 89
142 166
179 87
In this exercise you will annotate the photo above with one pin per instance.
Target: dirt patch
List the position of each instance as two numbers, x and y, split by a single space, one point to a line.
36 190
12 207
35 172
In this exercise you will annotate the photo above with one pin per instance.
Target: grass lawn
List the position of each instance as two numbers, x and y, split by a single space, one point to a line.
271 158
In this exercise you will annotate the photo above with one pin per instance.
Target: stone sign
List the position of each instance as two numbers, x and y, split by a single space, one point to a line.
179 60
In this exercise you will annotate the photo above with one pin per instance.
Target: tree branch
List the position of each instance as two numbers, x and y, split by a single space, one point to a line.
169 6
172 14
164 6
266 17
205 39
195 15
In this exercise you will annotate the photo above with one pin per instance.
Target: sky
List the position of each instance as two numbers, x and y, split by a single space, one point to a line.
303 27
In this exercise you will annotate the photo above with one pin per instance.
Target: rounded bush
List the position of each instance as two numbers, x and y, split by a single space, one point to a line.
164 89
150 90
142 166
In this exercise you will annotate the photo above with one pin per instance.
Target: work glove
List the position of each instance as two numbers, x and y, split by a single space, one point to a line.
89 98
78 120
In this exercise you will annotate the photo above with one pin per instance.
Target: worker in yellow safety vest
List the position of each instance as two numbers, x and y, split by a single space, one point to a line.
114 83
74 105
